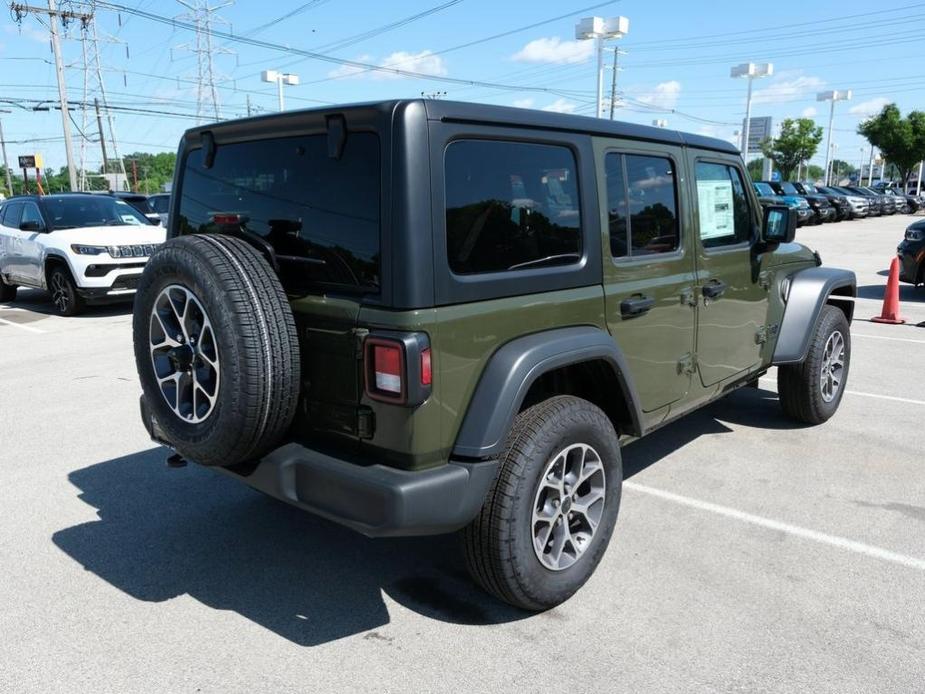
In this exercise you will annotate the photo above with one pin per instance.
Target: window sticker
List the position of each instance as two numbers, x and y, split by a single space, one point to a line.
714 200
130 219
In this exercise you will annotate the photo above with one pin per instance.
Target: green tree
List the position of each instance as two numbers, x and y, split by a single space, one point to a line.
798 141
814 173
754 168
901 140
151 171
841 169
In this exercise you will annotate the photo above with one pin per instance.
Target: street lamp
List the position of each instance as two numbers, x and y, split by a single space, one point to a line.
280 78
599 29
751 71
832 96
830 174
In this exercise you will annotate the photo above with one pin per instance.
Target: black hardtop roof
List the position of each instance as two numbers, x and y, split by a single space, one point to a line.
460 111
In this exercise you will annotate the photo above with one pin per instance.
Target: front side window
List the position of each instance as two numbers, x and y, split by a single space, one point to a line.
722 206
641 205
510 206
12 211
320 213
30 213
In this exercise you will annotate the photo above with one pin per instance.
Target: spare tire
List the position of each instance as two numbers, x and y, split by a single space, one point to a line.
216 349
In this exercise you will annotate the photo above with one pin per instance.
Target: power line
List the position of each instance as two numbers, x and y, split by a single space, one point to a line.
200 18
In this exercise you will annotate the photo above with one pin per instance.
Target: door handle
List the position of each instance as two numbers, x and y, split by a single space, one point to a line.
714 289
636 305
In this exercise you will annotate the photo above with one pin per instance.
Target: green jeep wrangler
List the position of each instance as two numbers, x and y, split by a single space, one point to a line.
417 317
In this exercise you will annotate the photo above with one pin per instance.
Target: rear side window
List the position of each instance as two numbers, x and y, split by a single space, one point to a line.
12 211
642 206
320 214
510 206
722 206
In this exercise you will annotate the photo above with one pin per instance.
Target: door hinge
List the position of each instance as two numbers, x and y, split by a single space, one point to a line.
764 279
687 364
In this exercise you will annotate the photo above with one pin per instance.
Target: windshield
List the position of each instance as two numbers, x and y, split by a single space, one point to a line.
80 211
810 189
789 188
764 189
159 204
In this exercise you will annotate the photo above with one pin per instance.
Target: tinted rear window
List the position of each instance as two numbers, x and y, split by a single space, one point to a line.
510 206
320 214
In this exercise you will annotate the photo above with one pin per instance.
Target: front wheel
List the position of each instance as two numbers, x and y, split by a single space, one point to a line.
551 511
64 293
810 392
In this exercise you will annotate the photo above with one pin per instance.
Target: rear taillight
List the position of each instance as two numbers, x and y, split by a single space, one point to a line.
398 368
426 374
385 369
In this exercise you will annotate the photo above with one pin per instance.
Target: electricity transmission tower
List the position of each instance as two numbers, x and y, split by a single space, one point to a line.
203 17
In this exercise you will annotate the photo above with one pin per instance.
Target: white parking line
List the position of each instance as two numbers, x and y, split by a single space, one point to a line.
894 398
884 337
28 328
823 538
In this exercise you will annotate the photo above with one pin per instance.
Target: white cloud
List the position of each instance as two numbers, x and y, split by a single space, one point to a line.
27 32
561 106
555 50
723 132
788 86
523 103
664 95
425 62
869 108
808 112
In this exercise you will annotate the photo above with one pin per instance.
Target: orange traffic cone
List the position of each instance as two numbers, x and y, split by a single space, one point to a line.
890 311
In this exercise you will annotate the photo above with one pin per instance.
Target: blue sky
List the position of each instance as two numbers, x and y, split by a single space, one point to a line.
678 56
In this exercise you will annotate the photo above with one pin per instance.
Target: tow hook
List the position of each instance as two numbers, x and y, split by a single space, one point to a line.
176 460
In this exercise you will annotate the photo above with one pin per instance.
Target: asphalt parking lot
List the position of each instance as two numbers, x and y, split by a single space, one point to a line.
751 554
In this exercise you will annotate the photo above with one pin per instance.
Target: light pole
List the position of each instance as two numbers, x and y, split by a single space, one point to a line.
6 164
830 168
861 167
600 29
280 78
751 71
833 96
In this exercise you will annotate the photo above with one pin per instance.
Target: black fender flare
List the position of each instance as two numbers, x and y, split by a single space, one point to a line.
808 292
514 367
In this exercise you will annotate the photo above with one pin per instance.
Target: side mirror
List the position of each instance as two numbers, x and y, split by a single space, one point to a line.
780 224
31 225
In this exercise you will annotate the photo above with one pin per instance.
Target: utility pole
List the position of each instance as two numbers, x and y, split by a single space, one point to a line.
613 80
6 164
99 125
248 105
20 10
598 29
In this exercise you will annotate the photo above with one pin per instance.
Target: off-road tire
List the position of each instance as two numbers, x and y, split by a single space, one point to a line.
498 543
798 385
256 340
71 303
7 291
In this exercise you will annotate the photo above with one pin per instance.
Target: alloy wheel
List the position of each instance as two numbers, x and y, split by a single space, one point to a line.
833 366
184 354
60 292
568 506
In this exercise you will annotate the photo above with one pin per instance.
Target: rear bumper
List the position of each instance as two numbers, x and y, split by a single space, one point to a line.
376 500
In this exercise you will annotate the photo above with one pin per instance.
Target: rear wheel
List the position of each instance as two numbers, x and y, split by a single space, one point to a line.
7 291
216 349
64 292
811 391
550 514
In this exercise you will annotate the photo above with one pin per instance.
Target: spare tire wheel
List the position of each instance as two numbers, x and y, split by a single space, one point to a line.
216 349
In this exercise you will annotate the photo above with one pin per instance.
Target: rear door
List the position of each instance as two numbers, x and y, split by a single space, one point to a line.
320 215
732 286
648 266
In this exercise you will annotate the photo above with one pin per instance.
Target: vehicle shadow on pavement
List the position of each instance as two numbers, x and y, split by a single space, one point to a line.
163 533
747 407
906 292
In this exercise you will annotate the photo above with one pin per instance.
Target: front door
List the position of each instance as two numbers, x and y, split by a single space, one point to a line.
648 266
732 290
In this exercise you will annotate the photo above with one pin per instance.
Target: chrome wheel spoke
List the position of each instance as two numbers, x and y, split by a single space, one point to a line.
833 365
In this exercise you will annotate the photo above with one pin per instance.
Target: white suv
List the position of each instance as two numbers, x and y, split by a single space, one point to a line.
80 247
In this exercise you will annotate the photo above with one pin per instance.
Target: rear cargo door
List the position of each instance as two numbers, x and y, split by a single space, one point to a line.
316 212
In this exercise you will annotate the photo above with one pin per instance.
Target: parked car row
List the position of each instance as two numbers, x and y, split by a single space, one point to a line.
819 204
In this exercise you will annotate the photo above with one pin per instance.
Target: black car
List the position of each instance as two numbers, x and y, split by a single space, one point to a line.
839 202
905 203
822 208
911 252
